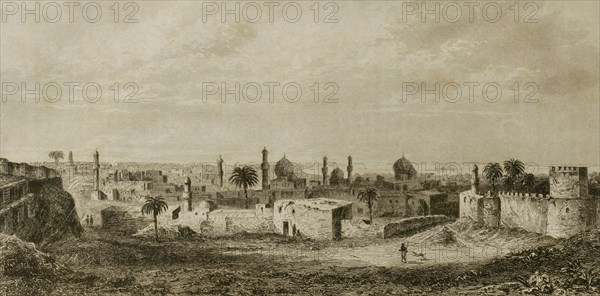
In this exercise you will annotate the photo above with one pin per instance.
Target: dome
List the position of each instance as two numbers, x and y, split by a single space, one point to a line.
337 177
284 168
403 169
337 173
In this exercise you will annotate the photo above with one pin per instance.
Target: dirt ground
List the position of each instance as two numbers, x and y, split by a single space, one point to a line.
269 264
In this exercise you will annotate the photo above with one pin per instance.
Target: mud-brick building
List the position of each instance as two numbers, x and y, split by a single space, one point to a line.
317 218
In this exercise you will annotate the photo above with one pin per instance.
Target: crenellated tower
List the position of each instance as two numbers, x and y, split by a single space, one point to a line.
265 169
325 171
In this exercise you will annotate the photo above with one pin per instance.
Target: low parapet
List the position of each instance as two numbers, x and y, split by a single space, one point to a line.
25 170
521 194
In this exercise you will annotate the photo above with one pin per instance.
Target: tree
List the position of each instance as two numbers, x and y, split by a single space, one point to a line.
154 206
244 177
528 182
493 172
514 169
56 155
368 195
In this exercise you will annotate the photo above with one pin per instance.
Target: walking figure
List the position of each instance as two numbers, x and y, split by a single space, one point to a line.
91 221
403 250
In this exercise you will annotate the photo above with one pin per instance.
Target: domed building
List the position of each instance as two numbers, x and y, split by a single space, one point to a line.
337 177
284 169
403 169
286 176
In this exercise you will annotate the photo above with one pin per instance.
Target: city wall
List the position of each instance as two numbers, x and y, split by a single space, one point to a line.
556 217
410 224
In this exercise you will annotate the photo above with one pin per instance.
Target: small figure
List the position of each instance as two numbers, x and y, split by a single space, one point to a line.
403 250
91 221
87 220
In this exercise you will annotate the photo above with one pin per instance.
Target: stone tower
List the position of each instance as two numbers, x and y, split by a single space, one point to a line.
475 179
220 170
325 170
71 158
265 169
96 168
350 168
187 193
568 182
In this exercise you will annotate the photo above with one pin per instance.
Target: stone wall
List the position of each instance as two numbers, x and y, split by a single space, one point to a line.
526 212
567 217
26 170
408 225
233 221
310 221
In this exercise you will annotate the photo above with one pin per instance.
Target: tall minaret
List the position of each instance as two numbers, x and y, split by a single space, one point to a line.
350 168
71 158
187 193
265 169
324 170
475 180
220 170
96 171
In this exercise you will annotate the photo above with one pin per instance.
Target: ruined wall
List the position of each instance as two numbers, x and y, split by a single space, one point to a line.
490 213
408 225
567 217
524 211
26 170
471 206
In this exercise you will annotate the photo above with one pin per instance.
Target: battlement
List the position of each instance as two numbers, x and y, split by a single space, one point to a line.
567 169
521 194
568 182
26 170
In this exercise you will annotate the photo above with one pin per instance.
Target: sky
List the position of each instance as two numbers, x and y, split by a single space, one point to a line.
374 54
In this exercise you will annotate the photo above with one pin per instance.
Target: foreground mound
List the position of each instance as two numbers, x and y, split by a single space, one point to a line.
18 258
56 218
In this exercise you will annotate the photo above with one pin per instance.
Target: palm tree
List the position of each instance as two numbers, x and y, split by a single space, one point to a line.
493 172
244 177
514 169
154 206
528 181
56 155
368 195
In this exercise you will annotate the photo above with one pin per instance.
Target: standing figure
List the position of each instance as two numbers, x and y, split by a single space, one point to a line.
87 220
91 221
403 251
